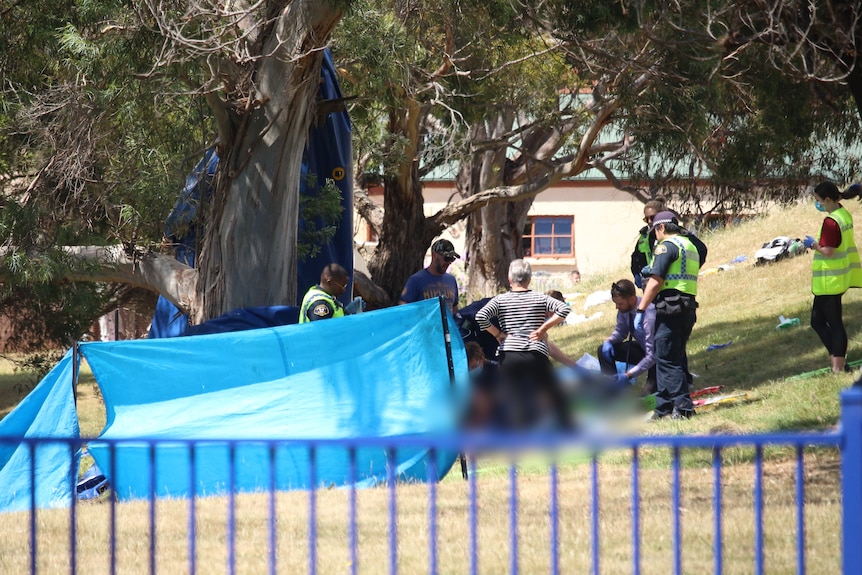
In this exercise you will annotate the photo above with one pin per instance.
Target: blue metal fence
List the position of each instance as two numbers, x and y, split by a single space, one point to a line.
846 438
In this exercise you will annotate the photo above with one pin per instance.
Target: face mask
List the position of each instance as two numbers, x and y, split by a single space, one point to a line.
819 206
475 371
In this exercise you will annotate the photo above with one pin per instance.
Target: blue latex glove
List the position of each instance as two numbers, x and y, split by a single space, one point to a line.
620 381
608 351
638 323
639 282
646 271
356 306
808 242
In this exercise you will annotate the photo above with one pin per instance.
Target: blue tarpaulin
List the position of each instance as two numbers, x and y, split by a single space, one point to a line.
47 411
377 374
248 318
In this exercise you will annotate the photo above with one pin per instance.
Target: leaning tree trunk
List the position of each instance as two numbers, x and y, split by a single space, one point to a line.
404 237
248 257
494 232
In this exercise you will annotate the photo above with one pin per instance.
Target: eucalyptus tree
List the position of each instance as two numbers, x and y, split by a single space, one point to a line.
753 102
816 43
473 89
129 91
91 153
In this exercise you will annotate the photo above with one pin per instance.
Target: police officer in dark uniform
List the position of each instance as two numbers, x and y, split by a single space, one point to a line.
672 286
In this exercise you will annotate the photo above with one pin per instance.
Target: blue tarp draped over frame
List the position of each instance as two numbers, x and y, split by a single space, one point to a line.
48 411
378 374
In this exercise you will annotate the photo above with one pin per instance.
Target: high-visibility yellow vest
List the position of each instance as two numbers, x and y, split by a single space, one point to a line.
834 275
314 294
682 273
644 247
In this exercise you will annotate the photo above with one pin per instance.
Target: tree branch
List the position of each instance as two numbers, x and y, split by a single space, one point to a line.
134 266
368 210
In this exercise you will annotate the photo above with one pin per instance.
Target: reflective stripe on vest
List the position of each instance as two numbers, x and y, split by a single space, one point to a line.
682 273
834 275
313 295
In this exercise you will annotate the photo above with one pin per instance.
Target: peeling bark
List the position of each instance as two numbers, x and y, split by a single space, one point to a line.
249 254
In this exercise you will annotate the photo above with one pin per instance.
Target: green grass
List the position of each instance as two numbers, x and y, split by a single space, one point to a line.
741 305
14 385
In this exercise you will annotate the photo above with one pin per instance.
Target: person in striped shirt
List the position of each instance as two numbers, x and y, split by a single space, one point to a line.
525 317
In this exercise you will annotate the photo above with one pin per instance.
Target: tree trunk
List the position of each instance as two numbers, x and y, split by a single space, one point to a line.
249 256
494 232
404 237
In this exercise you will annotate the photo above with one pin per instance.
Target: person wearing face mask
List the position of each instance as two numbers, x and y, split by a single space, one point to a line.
434 280
835 268
642 254
672 288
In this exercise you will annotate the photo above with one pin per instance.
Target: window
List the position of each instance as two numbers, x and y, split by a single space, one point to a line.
549 236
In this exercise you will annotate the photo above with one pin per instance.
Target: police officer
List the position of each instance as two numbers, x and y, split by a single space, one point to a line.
642 254
320 301
672 287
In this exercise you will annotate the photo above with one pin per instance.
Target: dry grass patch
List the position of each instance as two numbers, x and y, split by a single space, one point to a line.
453 542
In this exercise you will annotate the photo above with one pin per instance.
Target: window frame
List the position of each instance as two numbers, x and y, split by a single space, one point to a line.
531 237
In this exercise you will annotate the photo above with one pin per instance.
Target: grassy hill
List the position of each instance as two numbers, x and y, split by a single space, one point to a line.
742 305
739 305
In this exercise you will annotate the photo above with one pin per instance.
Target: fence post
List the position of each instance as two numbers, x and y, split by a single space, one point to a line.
851 480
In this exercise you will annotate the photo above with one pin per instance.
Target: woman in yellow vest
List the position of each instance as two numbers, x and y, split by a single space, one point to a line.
835 269
672 286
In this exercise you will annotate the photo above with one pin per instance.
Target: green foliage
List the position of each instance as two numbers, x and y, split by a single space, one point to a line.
319 215
110 143
50 314
587 19
454 61
36 365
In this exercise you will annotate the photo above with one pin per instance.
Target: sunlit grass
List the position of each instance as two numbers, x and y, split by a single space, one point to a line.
740 305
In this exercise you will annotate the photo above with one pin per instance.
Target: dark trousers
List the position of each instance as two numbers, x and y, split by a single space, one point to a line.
628 351
531 389
671 337
827 322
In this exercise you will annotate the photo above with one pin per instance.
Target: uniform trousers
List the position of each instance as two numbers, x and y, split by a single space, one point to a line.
673 378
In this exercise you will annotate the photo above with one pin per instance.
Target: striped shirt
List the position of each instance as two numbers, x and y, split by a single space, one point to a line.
520 313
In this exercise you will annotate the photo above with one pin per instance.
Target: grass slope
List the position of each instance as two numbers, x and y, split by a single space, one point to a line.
742 305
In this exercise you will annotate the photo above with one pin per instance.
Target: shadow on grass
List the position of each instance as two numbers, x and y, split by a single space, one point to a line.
13 388
760 353
803 425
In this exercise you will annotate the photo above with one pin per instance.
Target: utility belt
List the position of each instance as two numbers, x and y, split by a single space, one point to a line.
672 302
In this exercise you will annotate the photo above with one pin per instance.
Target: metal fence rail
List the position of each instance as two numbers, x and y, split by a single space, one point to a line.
847 439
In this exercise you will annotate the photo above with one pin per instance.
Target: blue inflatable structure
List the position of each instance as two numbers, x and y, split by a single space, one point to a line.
329 156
